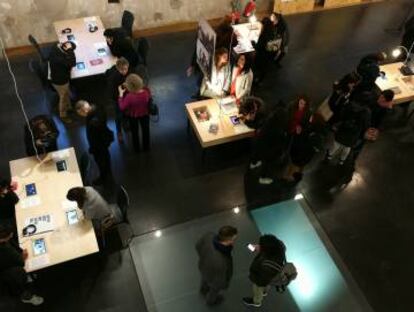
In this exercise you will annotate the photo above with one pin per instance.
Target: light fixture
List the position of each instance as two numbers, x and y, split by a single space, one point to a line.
236 210
398 50
158 233
298 196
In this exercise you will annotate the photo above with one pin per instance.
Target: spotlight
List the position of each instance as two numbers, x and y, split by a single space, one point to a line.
396 53
158 233
236 210
298 196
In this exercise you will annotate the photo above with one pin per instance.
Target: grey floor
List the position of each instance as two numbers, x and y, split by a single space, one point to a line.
369 223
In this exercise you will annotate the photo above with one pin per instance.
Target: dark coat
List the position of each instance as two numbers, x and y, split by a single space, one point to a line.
122 47
7 203
61 63
10 256
216 267
355 120
49 137
97 132
264 269
114 79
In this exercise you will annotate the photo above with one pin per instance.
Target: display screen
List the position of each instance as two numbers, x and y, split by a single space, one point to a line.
235 120
39 246
31 189
72 216
80 65
61 165
71 37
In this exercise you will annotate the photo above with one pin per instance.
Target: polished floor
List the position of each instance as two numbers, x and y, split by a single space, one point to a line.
369 222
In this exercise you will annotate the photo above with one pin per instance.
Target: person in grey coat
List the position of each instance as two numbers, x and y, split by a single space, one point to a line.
215 262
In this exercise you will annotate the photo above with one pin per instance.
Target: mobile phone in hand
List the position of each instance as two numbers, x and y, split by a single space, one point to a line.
251 247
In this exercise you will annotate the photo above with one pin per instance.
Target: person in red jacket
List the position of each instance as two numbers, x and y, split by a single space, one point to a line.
135 104
250 8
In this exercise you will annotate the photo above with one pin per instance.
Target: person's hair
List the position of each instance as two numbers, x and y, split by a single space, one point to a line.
110 33
73 45
80 104
250 104
388 95
5 230
219 52
4 183
133 83
77 194
226 232
248 62
347 79
302 97
122 61
270 246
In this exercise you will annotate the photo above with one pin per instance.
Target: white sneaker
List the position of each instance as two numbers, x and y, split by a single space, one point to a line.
255 165
265 181
34 300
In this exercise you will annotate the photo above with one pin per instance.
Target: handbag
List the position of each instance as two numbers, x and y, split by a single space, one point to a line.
153 110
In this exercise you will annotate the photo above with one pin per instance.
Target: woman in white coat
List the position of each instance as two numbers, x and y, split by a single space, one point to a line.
241 78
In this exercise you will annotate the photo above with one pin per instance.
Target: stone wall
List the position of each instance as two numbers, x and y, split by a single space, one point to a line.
18 18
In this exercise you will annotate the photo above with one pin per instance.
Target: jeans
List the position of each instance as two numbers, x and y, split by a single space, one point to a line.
258 293
212 294
134 123
64 98
344 150
103 160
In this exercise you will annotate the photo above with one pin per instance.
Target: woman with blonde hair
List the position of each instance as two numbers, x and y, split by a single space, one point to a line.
135 104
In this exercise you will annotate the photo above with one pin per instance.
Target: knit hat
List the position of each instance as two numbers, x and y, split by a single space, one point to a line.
134 83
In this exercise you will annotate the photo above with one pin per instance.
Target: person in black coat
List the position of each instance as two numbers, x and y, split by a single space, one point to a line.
45 134
354 122
12 272
99 138
281 32
215 262
408 36
121 46
270 141
61 60
264 268
8 200
369 70
115 76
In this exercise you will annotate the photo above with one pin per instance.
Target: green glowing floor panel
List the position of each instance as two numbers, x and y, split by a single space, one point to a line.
323 283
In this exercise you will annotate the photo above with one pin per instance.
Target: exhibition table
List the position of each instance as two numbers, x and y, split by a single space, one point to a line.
42 189
403 86
214 122
93 56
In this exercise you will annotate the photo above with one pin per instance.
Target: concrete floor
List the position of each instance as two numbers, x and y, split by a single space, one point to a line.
369 222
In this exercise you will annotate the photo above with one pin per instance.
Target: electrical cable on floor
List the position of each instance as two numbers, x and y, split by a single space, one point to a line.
16 89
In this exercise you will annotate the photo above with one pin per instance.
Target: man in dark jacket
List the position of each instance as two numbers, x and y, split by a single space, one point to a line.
215 262
271 138
61 60
12 273
115 76
8 199
266 265
99 138
121 46
45 134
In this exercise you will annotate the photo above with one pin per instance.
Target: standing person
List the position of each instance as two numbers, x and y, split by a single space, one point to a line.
269 143
281 33
99 138
299 115
408 37
8 200
135 104
341 94
12 272
45 134
115 76
94 207
266 50
353 124
219 84
264 268
61 60
215 262
369 70
121 46
241 78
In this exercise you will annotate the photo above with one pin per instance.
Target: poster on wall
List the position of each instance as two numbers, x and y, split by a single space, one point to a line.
206 43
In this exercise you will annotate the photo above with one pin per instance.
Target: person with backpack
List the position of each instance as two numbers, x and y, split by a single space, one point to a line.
99 138
353 123
265 267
